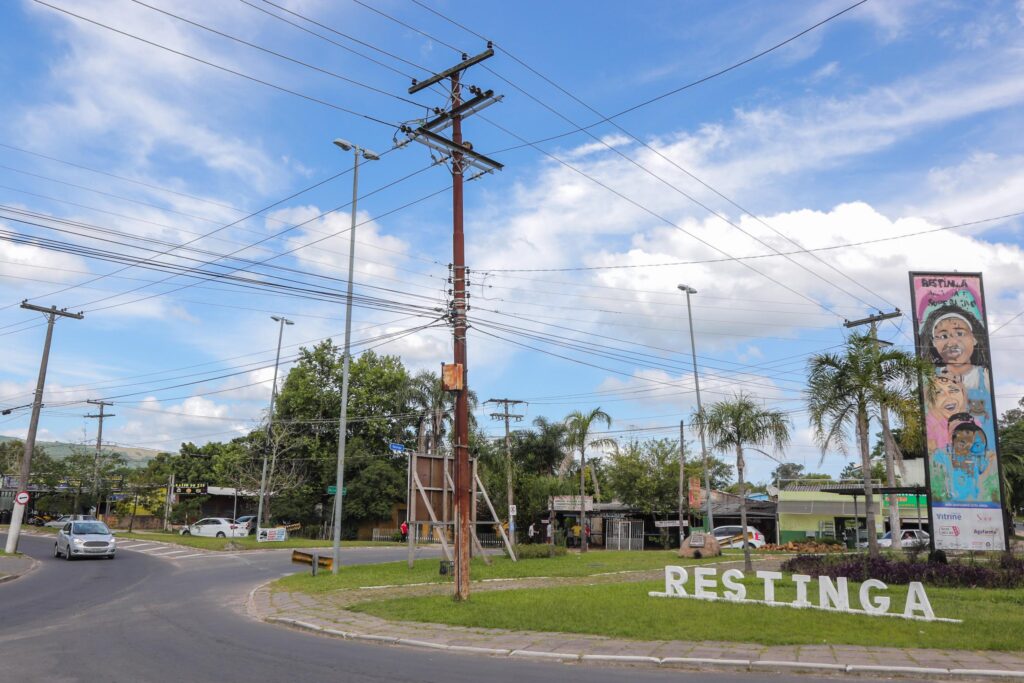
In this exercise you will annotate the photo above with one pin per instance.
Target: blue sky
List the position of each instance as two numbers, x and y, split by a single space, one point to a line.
896 118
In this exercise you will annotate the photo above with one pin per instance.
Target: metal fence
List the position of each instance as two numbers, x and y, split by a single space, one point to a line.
389 535
624 534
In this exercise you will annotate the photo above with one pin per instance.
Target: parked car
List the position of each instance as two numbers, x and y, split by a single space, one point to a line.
84 539
910 538
732 536
63 520
249 521
217 527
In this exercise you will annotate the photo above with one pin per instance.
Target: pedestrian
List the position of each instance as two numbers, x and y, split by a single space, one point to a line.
530 533
586 531
551 531
405 530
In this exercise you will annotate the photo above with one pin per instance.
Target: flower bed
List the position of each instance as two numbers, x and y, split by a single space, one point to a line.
1005 572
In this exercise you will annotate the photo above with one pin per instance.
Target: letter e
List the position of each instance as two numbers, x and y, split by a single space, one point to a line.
704 578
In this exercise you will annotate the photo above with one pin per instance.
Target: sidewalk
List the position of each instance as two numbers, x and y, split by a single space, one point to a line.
13 566
326 614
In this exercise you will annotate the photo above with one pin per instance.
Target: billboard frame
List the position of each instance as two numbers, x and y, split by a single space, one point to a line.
1007 519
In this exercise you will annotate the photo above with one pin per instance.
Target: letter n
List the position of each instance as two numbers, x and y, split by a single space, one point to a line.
833 596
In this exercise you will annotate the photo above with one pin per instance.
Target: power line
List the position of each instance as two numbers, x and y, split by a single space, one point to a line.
221 68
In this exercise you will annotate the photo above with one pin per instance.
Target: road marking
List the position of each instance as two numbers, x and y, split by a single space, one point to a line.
193 555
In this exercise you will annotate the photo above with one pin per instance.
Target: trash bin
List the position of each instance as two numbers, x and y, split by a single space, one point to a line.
447 568
5 516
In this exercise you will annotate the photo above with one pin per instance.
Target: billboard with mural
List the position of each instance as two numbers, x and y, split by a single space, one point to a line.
951 330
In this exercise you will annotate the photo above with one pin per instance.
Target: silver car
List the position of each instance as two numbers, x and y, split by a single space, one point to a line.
84 539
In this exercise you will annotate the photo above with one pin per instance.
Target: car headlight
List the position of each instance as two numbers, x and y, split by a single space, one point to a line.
79 541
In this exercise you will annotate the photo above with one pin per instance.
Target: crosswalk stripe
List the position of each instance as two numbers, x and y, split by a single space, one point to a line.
193 555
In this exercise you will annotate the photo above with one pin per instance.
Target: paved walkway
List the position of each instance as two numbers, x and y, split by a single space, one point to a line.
327 614
13 566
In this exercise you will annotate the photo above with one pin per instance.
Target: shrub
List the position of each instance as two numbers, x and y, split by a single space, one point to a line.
539 550
1008 572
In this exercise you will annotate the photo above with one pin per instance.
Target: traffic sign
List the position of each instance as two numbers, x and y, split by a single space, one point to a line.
511 510
21 498
397 447
333 490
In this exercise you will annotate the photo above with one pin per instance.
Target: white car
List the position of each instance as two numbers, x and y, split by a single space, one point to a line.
911 538
84 539
216 527
732 536
61 521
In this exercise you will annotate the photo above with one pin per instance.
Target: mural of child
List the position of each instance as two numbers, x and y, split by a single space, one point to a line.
957 340
963 470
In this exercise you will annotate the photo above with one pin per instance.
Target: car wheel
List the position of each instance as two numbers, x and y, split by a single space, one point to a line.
186 532
220 534
56 550
67 553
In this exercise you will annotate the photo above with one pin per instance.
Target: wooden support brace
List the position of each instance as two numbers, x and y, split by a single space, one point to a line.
430 510
501 529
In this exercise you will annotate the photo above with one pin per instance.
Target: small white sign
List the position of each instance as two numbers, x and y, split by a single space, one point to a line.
511 510
21 498
666 523
271 535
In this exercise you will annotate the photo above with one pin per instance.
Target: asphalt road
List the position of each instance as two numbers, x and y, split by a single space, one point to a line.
140 618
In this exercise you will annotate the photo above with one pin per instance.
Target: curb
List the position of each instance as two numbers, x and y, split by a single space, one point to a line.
31 568
690 663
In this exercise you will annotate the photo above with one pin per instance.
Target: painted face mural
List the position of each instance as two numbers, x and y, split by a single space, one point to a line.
954 340
962 466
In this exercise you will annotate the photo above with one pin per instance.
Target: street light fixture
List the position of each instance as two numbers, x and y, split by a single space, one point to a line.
339 491
696 384
282 321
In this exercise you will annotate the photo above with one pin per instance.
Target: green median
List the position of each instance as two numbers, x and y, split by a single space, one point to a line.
993 619
237 544
427 571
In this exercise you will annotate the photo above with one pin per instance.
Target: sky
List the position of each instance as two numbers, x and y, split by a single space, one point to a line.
793 192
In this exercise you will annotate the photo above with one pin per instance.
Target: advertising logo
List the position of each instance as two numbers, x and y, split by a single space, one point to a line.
986 532
983 517
949 516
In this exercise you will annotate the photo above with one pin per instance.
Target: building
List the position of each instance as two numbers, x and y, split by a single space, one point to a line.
825 509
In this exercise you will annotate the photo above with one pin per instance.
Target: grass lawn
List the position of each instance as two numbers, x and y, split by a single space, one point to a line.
426 571
992 619
247 543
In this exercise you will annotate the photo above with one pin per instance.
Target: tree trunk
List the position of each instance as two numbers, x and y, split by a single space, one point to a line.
869 495
740 466
583 505
890 476
135 506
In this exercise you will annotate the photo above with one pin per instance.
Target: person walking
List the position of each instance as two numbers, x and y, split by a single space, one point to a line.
405 530
530 533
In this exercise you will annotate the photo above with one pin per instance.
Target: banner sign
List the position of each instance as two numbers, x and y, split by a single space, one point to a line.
271 535
571 503
833 594
951 331
190 488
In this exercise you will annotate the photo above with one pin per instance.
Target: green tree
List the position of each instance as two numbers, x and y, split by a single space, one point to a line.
578 426
1011 454
739 424
848 390
645 475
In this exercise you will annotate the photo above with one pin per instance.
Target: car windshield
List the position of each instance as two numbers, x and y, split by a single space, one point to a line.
887 535
90 528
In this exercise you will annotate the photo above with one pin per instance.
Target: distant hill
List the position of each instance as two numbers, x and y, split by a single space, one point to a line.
136 457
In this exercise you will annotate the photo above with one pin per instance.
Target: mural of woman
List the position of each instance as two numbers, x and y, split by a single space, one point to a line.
956 339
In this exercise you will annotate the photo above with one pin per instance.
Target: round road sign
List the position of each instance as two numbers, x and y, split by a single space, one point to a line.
21 498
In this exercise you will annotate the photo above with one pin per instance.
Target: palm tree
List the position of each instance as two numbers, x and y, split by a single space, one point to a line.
850 389
577 437
740 424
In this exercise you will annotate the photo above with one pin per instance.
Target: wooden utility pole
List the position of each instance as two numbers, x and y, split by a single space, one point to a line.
506 403
890 471
18 514
684 503
461 157
99 447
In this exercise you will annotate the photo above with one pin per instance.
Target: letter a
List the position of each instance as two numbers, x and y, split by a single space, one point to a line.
917 601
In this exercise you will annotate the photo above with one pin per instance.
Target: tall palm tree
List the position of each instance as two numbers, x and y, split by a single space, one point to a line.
739 424
849 389
578 425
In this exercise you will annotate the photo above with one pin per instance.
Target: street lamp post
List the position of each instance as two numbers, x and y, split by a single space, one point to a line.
696 384
282 321
339 491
